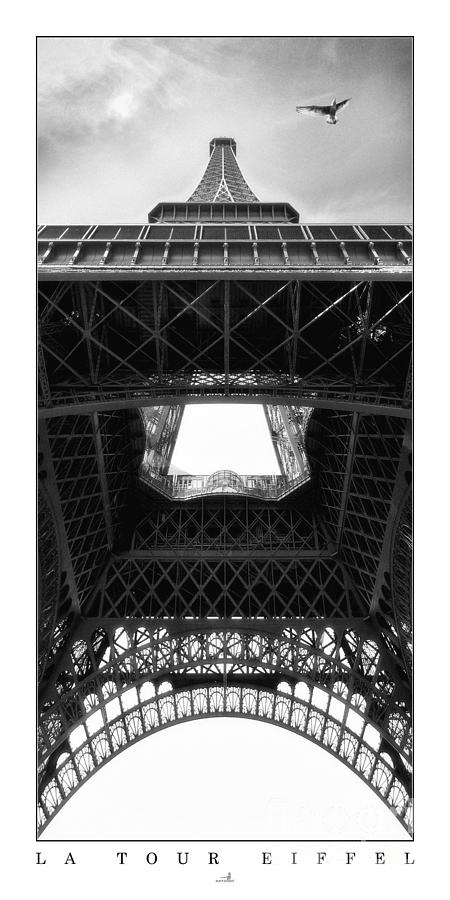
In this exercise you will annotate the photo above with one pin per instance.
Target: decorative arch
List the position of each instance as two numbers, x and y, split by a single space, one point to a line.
330 684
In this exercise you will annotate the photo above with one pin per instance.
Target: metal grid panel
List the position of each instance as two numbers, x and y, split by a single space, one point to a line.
343 340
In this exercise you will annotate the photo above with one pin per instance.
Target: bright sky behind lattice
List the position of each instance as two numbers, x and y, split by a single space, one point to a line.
224 436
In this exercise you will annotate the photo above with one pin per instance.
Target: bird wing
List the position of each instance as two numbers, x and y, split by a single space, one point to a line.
343 104
313 110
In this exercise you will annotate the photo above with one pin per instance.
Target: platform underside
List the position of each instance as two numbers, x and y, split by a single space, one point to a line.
296 612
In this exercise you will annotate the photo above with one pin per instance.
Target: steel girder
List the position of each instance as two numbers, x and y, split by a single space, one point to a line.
228 526
49 581
396 605
356 459
57 588
161 425
334 344
90 460
200 586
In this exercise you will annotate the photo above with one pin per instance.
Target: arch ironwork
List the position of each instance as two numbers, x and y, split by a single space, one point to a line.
332 684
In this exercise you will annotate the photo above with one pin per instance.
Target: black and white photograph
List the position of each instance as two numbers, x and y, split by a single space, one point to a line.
224 472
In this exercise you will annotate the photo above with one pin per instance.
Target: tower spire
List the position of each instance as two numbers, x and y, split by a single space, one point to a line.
223 180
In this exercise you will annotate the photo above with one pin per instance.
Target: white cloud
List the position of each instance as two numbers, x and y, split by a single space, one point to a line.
122 106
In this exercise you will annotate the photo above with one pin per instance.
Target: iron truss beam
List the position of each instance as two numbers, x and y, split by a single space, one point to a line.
396 603
347 476
357 460
371 499
49 581
49 480
350 343
85 404
233 553
224 525
103 479
391 599
59 600
400 488
396 273
92 459
176 586
44 385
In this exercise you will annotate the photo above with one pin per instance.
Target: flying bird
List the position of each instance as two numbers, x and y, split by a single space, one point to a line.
329 111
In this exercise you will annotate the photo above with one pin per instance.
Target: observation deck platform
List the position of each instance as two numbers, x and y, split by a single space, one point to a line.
225 248
224 481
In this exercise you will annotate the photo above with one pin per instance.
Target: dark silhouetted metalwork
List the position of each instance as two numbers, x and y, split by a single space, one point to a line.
169 597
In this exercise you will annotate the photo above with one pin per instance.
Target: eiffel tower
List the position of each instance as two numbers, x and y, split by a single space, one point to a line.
164 598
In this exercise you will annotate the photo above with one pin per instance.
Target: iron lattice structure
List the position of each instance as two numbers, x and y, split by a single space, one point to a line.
164 598
223 178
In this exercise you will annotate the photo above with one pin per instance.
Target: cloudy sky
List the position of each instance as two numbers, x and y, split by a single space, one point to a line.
126 122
